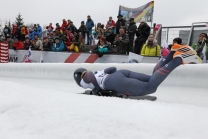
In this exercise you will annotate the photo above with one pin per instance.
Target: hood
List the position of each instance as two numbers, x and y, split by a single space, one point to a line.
154 43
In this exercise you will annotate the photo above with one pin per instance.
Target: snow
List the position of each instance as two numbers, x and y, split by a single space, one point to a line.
43 107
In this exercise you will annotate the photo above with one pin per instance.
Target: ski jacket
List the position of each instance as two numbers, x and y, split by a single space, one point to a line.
90 24
57 47
196 47
110 24
14 29
39 29
96 80
31 35
119 24
103 48
18 45
143 31
153 50
132 29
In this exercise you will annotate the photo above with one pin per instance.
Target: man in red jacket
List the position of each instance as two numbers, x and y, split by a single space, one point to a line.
17 45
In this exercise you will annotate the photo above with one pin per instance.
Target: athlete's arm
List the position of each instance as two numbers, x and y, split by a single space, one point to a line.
90 78
110 70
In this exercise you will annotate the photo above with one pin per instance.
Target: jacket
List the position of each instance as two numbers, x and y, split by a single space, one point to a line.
18 45
153 50
143 31
47 46
110 24
83 30
39 29
90 24
119 24
196 46
102 49
27 45
132 29
57 47
14 29
31 35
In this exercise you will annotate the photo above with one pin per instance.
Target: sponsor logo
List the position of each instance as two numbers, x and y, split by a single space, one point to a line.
13 59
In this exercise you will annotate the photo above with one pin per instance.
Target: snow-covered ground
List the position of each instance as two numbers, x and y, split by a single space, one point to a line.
41 101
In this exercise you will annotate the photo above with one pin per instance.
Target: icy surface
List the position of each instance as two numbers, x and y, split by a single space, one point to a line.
43 107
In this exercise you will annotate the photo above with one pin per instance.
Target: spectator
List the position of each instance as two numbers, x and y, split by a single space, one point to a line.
7 31
58 27
37 43
18 33
89 25
120 23
40 31
175 40
142 34
76 42
110 23
83 29
24 32
121 41
28 43
67 42
131 31
198 45
102 48
50 28
31 34
58 45
17 45
63 26
99 29
151 48
34 26
71 27
110 36
100 35
10 42
36 32
47 45
14 27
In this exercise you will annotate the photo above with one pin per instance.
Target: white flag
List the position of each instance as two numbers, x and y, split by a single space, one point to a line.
41 58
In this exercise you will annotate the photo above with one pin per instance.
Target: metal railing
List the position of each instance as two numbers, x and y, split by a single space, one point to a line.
189 34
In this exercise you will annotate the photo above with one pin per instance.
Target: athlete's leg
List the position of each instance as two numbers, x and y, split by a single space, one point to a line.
136 75
121 82
160 74
164 61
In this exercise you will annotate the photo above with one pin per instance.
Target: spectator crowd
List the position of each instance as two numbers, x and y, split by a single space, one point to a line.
114 37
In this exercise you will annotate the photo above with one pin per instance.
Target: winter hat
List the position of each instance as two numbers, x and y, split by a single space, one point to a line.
143 20
82 22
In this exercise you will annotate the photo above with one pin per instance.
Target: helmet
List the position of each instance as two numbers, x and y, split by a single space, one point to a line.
133 61
78 75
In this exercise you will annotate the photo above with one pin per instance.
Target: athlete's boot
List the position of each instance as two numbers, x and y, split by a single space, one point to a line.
188 54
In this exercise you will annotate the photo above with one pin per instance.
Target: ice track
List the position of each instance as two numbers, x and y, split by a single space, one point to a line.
42 101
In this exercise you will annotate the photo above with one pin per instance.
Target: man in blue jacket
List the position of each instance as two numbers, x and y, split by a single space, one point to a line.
58 45
89 25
